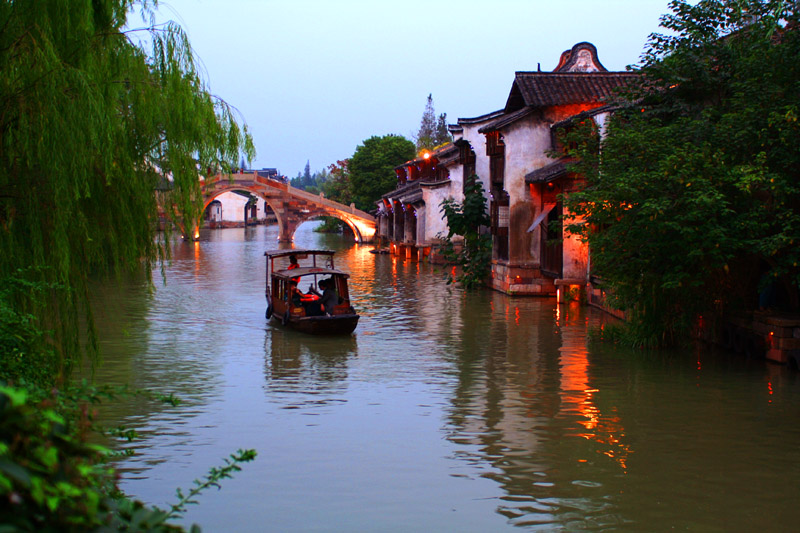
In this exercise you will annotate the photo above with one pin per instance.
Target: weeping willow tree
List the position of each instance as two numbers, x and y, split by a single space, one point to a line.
94 117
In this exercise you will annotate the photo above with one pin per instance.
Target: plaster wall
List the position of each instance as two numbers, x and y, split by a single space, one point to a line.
456 188
576 256
478 143
233 207
383 221
526 142
421 214
431 213
600 119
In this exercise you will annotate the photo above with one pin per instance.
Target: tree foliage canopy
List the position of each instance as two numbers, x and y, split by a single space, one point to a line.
692 203
432 130
372 168
337 186
91 124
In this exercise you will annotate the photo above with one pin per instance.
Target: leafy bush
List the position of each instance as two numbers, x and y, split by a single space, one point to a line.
474 253
53 479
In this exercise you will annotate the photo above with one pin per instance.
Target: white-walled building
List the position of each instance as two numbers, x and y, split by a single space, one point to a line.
514 153
235 209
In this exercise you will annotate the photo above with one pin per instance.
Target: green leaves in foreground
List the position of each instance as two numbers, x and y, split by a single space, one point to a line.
53 479
692 201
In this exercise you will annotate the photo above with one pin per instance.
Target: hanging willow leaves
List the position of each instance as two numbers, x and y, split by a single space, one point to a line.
93 120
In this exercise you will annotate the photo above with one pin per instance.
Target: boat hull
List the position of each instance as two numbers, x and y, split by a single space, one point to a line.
321 325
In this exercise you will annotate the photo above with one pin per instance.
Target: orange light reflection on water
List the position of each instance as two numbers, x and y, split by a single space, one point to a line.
197 269
606 430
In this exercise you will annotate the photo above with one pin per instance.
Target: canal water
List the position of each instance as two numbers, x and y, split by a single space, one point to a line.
444 411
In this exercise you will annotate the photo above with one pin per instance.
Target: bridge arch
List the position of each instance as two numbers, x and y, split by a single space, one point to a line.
209 198
356 231
291 206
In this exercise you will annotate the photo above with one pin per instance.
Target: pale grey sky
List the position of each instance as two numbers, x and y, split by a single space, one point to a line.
314 78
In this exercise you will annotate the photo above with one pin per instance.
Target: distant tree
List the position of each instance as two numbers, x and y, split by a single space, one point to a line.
692 204
303 180
372 168
432 131
334 183
442 133
310 182
318 180
427 127
337 187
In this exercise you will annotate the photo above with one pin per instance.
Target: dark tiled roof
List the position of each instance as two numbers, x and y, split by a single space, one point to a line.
545 89
400 191
447 152
547 173
482 118
412 197
507 119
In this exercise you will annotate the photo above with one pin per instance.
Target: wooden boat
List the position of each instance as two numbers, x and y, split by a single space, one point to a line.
293 281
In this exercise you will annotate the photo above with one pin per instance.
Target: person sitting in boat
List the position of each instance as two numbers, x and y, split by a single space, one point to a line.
308 301
295 296
292 265
329 298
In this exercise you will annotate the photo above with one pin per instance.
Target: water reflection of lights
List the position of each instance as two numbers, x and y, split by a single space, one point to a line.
197 269
578 396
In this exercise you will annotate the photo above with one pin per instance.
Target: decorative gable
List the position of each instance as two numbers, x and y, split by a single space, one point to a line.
581 58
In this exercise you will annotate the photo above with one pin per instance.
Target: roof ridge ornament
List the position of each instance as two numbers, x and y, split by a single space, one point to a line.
581 58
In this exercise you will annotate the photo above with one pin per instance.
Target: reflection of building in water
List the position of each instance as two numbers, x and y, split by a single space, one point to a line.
508 389
525 408
438 309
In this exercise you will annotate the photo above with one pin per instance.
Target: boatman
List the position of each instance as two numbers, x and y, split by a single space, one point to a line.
292 265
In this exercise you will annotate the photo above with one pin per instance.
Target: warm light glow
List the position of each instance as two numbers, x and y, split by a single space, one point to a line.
426 155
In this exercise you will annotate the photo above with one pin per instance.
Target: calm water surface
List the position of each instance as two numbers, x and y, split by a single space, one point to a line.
444 411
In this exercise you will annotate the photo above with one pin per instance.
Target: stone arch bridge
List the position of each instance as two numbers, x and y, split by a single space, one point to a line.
291 206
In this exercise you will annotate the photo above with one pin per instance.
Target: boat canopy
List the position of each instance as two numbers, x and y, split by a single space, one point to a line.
298 253
305 271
